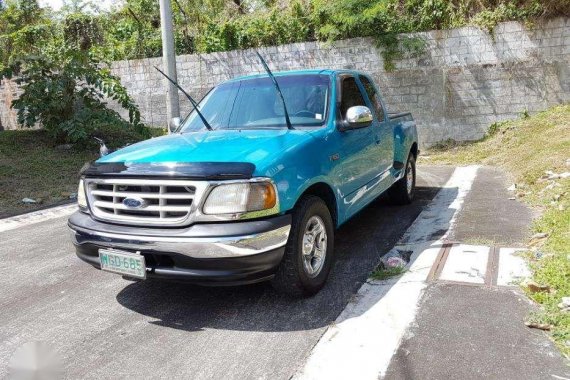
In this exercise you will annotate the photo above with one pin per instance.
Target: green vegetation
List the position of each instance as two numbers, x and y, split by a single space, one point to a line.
63 80
60 59
31 166
64 95
382 273
202 27
132 30
526 148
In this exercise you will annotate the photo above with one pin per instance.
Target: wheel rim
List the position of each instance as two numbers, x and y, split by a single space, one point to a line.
409 178
314 246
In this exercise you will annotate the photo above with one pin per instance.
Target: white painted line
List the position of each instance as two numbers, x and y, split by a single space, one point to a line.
512 267
365 336
36 217
466 263
437 220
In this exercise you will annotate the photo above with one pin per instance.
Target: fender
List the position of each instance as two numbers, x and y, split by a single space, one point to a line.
405 135
323 180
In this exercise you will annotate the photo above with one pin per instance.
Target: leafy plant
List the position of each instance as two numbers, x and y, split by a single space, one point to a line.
25 28
65 86
66 96
132 30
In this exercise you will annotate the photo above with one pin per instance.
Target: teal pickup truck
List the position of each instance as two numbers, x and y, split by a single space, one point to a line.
251 187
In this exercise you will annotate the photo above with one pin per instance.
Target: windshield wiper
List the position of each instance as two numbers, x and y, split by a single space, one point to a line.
194 104
289 126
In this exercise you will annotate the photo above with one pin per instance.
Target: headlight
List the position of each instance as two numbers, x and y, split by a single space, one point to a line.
81 198
259 198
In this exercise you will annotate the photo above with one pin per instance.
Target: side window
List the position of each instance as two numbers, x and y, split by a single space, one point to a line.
351 95
374 98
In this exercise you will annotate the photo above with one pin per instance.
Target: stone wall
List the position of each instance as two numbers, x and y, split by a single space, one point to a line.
465 80
8 92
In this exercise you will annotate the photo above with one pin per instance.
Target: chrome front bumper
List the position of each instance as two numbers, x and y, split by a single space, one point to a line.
200 241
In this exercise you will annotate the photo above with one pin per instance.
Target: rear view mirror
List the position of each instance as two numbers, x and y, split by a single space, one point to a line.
174 124
357 117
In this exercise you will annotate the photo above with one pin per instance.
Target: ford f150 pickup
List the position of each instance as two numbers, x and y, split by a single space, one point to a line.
250 187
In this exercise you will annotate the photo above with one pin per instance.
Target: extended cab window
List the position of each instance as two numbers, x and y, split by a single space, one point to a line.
351 95
374 98
254 103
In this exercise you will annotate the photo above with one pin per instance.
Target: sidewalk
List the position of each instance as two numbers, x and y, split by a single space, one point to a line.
452 315
471 332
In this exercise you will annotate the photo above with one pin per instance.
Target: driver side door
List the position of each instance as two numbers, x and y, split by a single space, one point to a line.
383 130
355 166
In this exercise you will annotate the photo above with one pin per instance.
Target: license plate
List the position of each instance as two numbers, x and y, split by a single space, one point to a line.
130 264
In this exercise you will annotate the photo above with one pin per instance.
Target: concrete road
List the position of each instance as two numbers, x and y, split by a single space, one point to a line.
102 326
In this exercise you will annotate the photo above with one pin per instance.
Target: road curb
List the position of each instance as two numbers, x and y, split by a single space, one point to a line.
365 336
34 217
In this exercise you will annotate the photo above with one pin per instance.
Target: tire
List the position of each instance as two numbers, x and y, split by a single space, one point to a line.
293 275
402 192
132 279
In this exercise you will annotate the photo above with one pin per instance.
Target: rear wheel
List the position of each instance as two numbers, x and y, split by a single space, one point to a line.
309 250
402 192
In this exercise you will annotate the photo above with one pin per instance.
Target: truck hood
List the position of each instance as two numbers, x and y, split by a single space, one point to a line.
259 147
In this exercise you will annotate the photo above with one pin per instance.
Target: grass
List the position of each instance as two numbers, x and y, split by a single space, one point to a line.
526 148
381 273
32 167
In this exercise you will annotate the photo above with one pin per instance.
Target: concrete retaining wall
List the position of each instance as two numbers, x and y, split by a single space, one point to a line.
465 80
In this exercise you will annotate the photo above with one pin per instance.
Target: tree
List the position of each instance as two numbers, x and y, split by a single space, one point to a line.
25 28
80 7
65 87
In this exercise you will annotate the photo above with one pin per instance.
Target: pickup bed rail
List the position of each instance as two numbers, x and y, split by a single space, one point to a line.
397 115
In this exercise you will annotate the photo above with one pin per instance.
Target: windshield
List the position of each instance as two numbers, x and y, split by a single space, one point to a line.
254 103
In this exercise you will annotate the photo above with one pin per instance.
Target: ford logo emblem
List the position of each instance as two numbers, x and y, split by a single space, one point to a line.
134 203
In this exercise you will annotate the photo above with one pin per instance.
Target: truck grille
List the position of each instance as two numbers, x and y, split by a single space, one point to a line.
143 202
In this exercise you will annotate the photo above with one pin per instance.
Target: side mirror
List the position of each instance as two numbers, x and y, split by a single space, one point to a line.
357 117
174 124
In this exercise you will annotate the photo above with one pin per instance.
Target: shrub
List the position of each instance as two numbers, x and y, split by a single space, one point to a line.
64 86
65 96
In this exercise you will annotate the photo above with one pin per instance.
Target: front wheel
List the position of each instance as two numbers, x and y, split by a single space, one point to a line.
402 192
309 250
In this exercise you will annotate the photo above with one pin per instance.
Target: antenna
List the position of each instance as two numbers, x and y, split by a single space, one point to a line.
289 126
194 104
